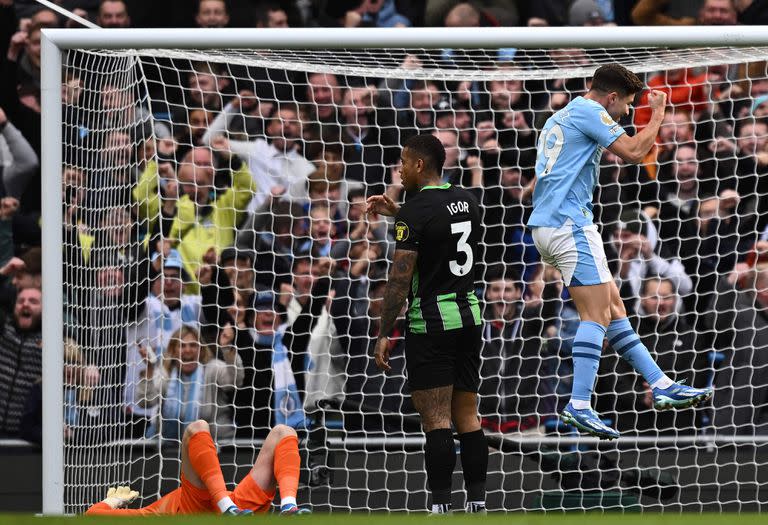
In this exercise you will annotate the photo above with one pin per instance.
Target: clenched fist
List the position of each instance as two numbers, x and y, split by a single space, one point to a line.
657 100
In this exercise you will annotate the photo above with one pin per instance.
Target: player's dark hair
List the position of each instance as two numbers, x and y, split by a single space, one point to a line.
615 77
429 148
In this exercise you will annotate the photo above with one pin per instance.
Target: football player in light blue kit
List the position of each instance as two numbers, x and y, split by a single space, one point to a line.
568 157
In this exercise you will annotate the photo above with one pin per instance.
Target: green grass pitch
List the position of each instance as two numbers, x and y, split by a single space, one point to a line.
415 519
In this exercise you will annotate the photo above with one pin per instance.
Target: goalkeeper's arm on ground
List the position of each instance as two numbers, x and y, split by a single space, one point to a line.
117 499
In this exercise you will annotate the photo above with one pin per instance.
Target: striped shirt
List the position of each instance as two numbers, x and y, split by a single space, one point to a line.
442 224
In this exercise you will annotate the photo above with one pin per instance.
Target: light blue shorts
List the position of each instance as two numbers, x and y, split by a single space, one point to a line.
577 252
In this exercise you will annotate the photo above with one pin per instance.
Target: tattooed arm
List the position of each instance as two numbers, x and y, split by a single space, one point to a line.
395 293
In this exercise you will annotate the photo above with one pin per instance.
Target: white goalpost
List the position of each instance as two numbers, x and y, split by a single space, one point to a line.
146 233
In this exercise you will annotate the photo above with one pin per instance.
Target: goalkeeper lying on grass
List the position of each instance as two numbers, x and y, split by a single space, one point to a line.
202 483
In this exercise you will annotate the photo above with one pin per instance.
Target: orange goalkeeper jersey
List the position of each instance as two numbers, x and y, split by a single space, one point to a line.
188 499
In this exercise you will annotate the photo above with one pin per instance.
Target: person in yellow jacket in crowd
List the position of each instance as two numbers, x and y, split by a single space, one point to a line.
202 217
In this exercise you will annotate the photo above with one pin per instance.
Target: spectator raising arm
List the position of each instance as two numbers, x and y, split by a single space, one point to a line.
8 207
219 126
25 162
206 219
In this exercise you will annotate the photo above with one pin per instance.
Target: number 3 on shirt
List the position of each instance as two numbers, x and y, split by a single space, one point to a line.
465 228
550 152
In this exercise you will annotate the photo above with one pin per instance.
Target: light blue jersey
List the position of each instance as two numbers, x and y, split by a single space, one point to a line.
567 163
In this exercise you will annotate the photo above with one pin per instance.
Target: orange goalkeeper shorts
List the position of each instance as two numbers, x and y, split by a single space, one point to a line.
248 495
189 499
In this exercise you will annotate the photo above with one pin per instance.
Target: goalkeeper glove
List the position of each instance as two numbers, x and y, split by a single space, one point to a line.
119 497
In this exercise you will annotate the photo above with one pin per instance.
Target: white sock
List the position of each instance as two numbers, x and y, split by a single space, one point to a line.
225 503
474 506
441 509
290 500
579 404
664 382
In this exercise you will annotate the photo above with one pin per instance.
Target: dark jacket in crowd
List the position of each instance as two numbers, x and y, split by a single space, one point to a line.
741 328
20 366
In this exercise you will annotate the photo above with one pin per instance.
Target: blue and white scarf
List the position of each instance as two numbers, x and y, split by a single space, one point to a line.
286 401
71 412
181 404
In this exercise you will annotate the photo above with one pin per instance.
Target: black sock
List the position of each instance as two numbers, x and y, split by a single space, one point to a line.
440 460
474 462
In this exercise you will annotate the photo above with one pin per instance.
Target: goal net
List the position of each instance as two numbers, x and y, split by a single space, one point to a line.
219 265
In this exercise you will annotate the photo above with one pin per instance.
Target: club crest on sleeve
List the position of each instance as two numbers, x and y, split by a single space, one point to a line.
606 119
401 231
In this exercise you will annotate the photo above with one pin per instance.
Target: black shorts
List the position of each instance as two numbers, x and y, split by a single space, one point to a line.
444 358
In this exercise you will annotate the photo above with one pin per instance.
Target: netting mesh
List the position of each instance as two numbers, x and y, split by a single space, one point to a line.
464 64
219 265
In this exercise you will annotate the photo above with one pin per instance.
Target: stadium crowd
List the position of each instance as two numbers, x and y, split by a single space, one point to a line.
220 264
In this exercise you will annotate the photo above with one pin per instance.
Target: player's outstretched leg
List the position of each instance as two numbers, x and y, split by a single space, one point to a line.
593 305
434 407
474 448
200 466
278 465
625 341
